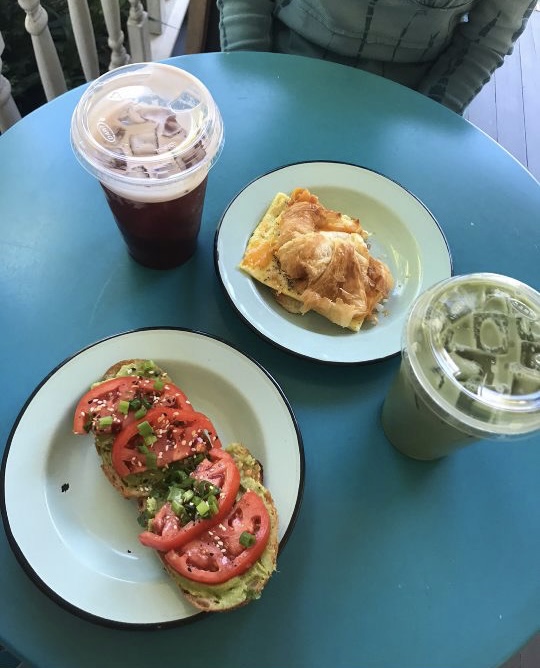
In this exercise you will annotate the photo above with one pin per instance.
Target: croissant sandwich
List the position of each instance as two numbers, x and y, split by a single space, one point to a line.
316 259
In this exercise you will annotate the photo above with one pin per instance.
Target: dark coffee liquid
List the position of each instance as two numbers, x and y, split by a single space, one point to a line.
160 235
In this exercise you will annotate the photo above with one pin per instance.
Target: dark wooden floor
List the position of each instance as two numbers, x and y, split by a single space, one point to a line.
508 107
528 657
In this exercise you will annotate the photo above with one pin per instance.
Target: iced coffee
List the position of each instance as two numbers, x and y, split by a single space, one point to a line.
470 367
150 133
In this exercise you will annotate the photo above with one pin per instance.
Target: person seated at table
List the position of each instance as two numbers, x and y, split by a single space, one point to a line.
445 49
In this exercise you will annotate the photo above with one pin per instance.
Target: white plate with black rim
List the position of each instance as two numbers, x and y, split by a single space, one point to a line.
403 233
73 533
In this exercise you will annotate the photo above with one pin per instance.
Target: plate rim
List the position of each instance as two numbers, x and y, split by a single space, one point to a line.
273 341
17 551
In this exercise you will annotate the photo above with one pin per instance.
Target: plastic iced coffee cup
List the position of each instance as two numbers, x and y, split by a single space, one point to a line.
470 367
150 132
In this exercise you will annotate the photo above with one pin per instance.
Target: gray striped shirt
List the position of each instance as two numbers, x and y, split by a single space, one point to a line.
446 49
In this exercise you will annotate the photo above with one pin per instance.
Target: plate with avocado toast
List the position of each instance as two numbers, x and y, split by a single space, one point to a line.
165 476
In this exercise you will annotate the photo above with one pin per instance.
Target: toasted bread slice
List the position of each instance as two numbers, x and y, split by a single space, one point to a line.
242 589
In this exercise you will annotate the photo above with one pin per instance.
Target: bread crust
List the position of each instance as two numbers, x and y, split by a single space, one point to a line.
113 370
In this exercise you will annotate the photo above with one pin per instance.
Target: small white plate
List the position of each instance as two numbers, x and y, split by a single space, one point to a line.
71 530
404 234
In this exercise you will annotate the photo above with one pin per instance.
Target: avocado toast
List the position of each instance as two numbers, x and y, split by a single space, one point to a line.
238 590
204 509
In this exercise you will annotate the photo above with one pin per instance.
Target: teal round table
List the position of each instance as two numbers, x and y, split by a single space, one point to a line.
404 563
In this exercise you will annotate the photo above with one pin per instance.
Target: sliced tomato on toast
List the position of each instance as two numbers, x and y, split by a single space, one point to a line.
229 548
167 528
114 404
163 436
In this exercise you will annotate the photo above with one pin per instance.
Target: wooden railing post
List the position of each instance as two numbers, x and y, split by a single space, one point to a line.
137 27
83 31
50 69
9 114
198 15
111 14
153 7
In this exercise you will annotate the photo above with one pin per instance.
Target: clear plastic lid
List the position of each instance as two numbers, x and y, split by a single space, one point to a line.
147 121
472 344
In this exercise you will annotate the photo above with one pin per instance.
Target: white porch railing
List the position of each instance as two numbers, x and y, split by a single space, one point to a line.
9 114
151 35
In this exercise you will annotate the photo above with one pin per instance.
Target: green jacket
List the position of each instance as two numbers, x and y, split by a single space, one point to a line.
446 49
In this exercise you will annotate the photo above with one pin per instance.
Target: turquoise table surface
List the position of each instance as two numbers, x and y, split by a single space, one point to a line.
406 564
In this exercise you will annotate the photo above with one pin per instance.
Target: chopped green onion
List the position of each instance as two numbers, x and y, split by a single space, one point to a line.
140 413
174 492
187 483
188 495
200 487
205 487
203 508
151 505
150 456
197 459
247 539
135 404
123 407
213 504
177 507
145 429
151 460
181 476
105 421
159 384
148 365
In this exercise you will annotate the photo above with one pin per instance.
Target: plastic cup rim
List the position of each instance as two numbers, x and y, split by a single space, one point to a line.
101 172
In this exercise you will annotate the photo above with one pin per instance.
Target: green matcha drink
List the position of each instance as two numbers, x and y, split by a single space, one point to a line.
470 367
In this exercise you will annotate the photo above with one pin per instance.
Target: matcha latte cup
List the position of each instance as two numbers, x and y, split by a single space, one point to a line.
470 367
149 133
